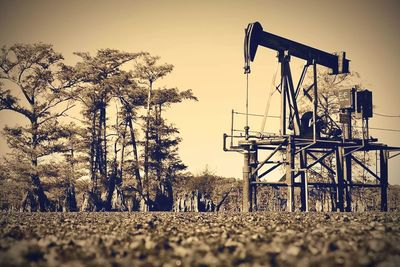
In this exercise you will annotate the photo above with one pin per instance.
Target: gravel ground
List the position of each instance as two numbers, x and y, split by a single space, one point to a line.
200 239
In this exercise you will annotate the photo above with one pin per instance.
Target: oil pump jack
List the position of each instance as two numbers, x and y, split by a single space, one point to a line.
306 139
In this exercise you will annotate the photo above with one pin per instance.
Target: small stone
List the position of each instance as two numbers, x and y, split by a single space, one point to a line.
346 219
293 250
376 245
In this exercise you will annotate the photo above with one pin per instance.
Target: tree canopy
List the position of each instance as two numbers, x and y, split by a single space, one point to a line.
120 141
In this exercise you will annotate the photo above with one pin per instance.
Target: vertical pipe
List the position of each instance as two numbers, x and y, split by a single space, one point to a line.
306 187
290 151
339 178
315 101
283 93
246 128
384 178
253 178
348 126
232 125
246 205
376 162
348 179
347 172
254 202
304 182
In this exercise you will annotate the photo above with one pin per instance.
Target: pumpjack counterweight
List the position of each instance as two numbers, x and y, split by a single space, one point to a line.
306 140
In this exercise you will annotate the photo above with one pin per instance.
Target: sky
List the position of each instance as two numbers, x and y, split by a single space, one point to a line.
204 41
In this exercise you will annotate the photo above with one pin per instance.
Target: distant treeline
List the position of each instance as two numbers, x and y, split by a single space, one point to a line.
98 125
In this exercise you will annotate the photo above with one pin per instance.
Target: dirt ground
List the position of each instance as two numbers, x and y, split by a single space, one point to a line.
200 239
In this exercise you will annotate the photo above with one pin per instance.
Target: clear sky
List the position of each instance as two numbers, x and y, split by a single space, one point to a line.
204 40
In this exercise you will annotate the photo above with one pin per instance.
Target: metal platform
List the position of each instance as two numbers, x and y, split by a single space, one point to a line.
302 154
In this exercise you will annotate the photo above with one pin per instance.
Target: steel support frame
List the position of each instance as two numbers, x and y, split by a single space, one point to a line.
295 149
342 183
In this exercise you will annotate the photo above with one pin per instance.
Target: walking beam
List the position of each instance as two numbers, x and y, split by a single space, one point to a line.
255 36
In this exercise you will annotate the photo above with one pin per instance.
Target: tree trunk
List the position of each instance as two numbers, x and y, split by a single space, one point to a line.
121 169
146 144
104 121
36 199
112 180
93 152
193 202
158 142
164 200
218 206
101 146
129 122
135 153
118 202
36 194
70 204
91 202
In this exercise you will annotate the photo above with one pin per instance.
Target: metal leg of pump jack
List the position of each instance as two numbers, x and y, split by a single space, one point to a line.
347 177
339 178
246 205
253 177
290 151
384 178
347 172
304 182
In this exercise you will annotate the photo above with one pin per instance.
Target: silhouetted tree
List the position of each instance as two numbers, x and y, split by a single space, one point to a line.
33 85
100 76
148 71
132 97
